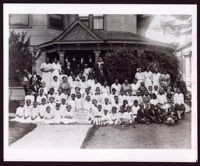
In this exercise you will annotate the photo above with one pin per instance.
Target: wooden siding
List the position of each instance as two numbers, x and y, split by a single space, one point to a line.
116 22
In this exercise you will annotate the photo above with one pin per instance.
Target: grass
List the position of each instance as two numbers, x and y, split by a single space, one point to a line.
18 130
152 136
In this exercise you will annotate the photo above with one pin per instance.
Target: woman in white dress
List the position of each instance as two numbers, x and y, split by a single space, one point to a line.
56 68
46 73
148 78
139 75
156 78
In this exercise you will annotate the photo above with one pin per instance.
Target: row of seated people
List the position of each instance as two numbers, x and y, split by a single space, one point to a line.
52 107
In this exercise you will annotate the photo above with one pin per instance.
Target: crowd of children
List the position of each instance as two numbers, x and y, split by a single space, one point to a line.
150 98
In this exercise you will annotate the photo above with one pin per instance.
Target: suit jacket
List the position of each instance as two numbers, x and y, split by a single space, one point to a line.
34 88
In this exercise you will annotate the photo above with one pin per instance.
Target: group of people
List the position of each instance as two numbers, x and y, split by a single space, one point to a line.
55 98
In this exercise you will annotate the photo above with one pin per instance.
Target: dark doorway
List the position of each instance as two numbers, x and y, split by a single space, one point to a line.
80 57
52 56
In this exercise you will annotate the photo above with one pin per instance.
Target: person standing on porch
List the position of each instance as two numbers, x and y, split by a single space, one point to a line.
56 68
156 78
46 73
139 75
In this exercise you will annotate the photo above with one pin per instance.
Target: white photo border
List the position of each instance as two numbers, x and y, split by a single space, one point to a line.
142 155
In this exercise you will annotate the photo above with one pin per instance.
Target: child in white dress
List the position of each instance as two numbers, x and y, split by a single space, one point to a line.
55 84
49 115
114 120
34 112
42 110
98 115
19 113
27 111
67 115
57 114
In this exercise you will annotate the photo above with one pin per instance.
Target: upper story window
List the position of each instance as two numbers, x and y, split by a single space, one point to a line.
19 20
98 22
84 19
56 21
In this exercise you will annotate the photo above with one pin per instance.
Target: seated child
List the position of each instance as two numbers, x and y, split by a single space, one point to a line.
172 116
42 110
179 103
27 111
55 84
141 115
19 113
98 115
71 101
162 100
59 95
155 90
107 106
114 116
30 97
67 115
57 114
150 90
49 115
40 96
128 116
105 118
51 94
154 100
138 97
34 112
78 102
142 88
146 98
135 109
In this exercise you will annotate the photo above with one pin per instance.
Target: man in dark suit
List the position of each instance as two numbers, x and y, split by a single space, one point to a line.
35 76
34 87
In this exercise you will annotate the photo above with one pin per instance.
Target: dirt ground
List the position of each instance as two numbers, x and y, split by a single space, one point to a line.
152 136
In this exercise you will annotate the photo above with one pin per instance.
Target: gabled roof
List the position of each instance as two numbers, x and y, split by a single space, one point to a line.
80 33
72 31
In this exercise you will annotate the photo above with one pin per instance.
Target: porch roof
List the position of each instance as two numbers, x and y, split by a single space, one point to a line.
80 33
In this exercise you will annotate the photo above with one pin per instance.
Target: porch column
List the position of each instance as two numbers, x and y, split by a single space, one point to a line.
97 55
62 57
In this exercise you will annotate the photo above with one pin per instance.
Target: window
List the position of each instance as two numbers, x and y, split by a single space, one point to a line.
56 21
84 19
98 22
19 20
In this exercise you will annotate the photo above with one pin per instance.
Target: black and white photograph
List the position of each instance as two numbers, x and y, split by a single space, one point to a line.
95 83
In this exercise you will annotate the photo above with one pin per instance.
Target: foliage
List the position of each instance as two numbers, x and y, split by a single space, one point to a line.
122 63
20 57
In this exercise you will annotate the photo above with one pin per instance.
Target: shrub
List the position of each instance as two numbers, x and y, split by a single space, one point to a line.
122 63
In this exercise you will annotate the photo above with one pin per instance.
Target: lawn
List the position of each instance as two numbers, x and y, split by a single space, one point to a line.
152 136
18 130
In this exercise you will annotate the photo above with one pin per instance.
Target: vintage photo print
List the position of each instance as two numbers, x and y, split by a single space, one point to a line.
100 82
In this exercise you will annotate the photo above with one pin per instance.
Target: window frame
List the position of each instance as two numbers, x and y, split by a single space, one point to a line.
98 17
22 26
51 27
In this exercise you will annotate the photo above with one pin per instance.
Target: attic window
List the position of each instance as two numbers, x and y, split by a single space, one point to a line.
98 22
56 21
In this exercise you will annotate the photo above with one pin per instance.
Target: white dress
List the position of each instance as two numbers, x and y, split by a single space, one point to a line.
148 79
19 115
140 77
156 79
27 113
56 69
117 87
134 88
46 76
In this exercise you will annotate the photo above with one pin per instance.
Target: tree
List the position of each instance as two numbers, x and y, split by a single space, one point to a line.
122 63
20 57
